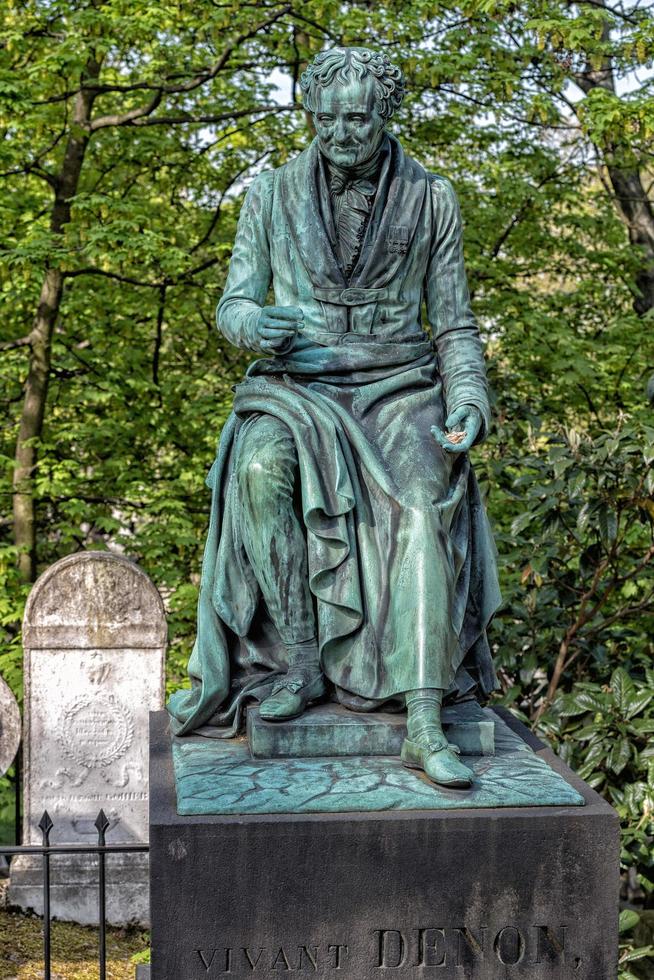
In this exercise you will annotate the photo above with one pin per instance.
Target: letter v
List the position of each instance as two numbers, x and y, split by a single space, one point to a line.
206 964
249 958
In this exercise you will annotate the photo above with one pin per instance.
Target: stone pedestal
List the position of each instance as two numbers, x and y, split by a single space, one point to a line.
483 894
95 638
330 730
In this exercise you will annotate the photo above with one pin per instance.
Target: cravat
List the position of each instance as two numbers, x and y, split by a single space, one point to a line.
351 193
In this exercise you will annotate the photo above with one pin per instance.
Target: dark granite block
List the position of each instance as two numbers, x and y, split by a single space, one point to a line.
331 730
508 894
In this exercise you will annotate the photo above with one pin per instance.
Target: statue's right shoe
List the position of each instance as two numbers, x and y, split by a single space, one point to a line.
437 761
290 695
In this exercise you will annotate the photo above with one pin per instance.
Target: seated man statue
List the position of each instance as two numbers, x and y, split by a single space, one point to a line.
348 552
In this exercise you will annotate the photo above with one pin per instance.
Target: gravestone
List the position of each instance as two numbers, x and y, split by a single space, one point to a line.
9 742
95 639
9 727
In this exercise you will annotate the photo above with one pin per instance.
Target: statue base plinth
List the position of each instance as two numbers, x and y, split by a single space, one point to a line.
221 775
486 894
334 731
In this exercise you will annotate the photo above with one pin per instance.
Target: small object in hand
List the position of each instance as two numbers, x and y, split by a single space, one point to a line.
456 437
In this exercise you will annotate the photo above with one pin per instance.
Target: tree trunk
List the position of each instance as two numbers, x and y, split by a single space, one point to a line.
637 213
31 422
36 385
631 198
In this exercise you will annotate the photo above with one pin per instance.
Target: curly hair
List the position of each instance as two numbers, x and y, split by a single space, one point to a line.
343 63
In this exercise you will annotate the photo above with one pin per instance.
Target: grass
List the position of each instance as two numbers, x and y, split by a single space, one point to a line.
7 833
74 949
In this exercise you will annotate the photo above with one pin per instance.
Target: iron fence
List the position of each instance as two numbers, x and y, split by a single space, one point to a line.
46 850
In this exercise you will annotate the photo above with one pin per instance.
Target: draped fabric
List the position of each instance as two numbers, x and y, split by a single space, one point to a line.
401 559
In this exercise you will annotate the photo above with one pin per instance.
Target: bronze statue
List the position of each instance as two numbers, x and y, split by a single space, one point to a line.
348 551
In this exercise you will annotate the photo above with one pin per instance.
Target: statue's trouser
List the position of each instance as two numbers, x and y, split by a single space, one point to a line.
275 544
424 714
273 536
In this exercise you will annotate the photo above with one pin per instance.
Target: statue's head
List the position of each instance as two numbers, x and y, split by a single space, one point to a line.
351 94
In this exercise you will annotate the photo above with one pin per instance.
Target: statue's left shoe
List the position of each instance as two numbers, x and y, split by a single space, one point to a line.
438 761
291 694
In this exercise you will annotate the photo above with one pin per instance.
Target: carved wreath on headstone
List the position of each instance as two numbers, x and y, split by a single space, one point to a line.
95 730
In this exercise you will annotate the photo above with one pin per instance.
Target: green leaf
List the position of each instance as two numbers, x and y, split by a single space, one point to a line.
619 755
628 919
638 954
587 732
623 690
581 702
637 702
642 726
608 524
583 517
521 522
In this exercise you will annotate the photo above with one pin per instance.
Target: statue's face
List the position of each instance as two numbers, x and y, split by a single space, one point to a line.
348 126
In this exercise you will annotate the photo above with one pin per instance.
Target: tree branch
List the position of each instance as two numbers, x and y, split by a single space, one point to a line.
34 166
611 10
128 117
144 112
158 338
520 214
20 342
564 660
216 216
645 604
188 117
93 271
562 656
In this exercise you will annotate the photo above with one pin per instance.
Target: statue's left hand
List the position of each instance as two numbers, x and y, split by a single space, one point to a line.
463 425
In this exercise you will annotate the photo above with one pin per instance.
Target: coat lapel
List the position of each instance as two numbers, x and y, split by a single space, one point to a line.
396 211
300 200
398 204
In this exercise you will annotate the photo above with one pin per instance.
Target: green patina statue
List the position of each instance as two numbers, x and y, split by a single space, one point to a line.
348 551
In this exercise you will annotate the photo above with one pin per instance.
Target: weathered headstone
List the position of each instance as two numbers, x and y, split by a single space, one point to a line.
9 742
94 638
9 727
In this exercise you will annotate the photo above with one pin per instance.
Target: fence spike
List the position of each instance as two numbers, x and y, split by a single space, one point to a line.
45 826
102 822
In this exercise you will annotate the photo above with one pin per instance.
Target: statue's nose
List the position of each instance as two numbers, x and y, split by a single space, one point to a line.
340 130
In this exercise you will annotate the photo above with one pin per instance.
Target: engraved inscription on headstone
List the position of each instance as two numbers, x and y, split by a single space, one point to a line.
9 727
95 637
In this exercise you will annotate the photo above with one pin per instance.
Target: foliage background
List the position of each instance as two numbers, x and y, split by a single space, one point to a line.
129 133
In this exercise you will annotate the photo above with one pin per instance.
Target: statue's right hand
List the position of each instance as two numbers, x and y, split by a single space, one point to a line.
277 327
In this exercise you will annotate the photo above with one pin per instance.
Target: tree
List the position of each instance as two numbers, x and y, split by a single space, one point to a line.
130 132
90 73
85 84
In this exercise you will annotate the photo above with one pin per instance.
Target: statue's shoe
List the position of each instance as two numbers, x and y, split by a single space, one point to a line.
438 761
290 696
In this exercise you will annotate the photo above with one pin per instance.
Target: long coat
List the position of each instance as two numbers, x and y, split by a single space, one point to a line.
401 558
